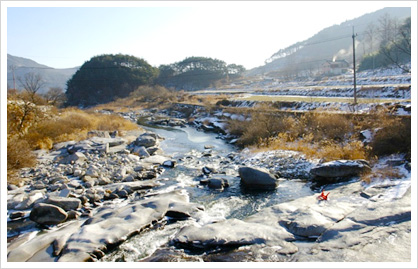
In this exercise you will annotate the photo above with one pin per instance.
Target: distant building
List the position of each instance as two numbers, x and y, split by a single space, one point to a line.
336 67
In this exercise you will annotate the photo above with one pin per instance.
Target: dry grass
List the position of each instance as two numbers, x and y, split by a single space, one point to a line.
382 174
328 150
264 125
324 135
42 132
74 124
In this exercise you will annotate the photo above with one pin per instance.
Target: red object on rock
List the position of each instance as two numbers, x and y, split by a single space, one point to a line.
323 196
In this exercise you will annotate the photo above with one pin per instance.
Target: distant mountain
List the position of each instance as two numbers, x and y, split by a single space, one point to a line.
332 43
51 76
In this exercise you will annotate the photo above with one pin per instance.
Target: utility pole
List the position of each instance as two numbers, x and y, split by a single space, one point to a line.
354 67
13 68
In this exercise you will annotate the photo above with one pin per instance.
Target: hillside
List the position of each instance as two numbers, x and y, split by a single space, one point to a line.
332 43
51 76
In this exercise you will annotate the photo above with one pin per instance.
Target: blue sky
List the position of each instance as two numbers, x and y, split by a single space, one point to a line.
244 33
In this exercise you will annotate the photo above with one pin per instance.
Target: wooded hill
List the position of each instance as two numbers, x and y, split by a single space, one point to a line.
333 43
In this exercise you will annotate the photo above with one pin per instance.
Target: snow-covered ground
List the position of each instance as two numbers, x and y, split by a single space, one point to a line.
389 88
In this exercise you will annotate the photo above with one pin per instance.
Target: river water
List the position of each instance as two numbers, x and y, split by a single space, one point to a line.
189 148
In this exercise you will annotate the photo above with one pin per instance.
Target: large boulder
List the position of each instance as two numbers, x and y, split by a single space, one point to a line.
257 179
112 225
373 232
146 140
65 203
47 214
340 169
231 233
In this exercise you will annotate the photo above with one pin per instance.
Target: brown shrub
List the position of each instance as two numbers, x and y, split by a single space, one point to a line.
327 125
261 127
327 150
394 137
265 125
383 173
19 155
21 115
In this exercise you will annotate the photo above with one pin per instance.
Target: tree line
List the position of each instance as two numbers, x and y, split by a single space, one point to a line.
393 42
105 78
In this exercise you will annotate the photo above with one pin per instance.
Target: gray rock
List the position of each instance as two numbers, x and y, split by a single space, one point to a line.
218 183
113 225
110 196
64 193
141 151
154 150
47 214
14 199
92 172
229 233
64 145
43 247
39 186
208 170
257 179
78 173
92 197
340 168
169 163
155 159
85 145
121 193
146 140
11 187
65 203
77 157
215 183
103 181
374 232
16 215
89 181
112 142
134 186
31 199
72 215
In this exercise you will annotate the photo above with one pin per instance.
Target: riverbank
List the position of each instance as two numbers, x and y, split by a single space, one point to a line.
129 198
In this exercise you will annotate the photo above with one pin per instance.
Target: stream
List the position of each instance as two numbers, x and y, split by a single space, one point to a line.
192 150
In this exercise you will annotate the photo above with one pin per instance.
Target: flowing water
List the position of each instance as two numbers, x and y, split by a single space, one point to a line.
187 147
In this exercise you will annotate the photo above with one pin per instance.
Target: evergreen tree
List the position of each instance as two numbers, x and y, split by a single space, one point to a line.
194 73
106 77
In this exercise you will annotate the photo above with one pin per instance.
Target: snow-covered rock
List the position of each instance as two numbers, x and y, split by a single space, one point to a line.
340 168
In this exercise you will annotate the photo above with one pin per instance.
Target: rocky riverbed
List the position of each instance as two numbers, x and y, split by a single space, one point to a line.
124 198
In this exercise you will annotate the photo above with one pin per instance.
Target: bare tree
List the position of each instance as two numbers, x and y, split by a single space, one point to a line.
370 36
31 83
55 96
399 48
388 28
